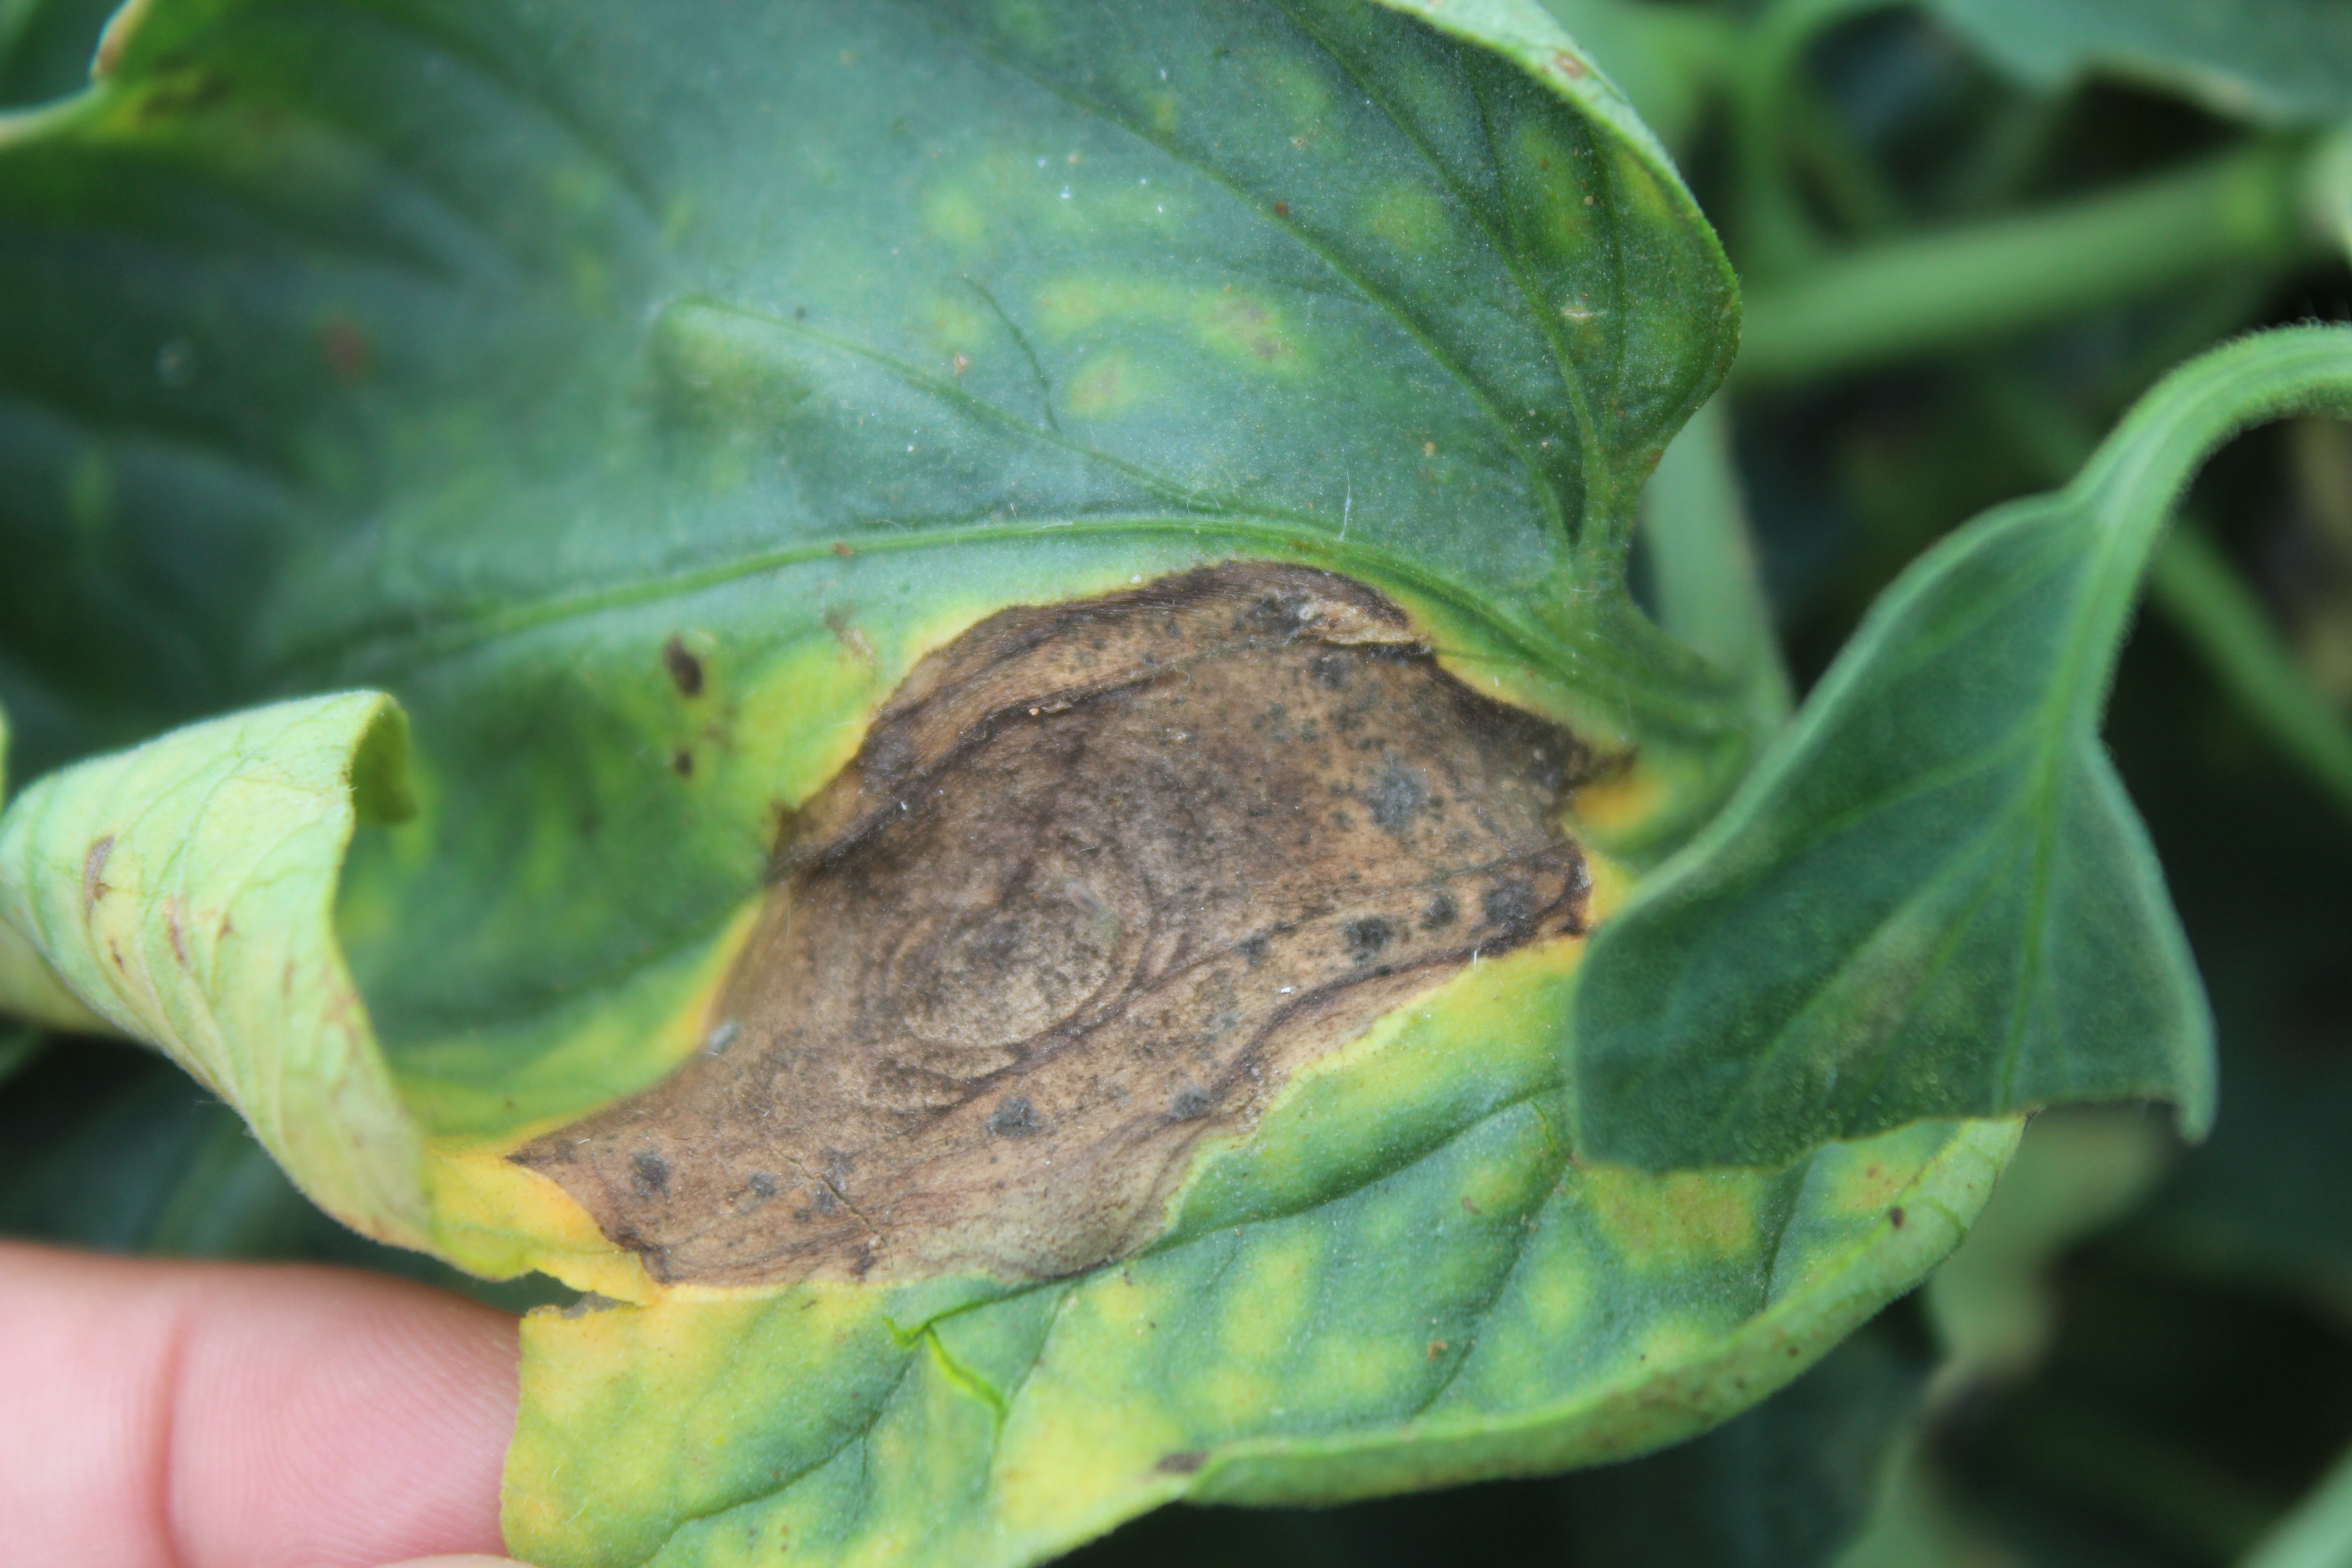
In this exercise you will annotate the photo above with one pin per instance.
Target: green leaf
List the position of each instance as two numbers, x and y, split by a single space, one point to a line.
459 375
185 891
1782 1486
1483 1311
2277 61
1931 898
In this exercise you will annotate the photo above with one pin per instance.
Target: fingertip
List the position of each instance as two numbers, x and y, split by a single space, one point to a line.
257 1415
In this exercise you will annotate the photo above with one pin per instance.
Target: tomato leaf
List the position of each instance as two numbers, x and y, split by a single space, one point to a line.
636 395
1932 898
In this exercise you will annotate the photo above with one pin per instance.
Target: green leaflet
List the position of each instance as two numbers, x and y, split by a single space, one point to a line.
183 890
1931 897
2278 61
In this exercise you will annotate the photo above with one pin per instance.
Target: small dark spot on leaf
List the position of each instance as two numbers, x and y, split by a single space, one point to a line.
1329 669
590 1302
681 763
1397 796
685 668
1014 1117
889 758
1284 615
1437 1349
1510 907
799 312
1442 912
1366 937
649 1176
761 1184
843 550
1253 948
1282 209
1894 1217
1184 1464
1191 1104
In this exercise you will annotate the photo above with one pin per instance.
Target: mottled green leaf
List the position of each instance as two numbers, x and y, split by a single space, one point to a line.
1932 898
2282 61
1783 1486
1484 1311
476 356
184 892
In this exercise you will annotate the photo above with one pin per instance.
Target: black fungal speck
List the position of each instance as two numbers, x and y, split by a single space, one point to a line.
1014 1117
1329 669
1510 907
761 1184
888 756
649 1175
1282 614
1396 797
1366 937
1442 912
1191 1105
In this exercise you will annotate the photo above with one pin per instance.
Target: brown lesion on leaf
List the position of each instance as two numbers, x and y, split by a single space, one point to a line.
93 872
1103 875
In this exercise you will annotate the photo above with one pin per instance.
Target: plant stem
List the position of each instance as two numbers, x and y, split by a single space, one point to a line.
1887 301
2203 596
2194 586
